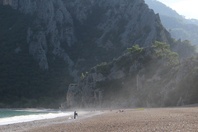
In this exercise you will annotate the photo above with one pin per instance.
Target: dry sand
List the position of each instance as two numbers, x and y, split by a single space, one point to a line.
130 120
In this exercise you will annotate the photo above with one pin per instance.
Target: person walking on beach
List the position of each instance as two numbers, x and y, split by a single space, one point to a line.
75 114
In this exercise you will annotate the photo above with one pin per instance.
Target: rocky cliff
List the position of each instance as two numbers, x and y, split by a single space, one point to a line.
66 37
61 26
142 77
51 26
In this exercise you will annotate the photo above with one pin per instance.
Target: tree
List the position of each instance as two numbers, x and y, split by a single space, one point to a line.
163 51
135 48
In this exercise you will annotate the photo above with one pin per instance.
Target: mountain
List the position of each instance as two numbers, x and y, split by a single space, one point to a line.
177 25
141 77
46 44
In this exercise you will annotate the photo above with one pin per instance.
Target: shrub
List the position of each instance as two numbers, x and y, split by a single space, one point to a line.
135 48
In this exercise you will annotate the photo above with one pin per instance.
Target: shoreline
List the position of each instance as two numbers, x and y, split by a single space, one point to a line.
26 126
124 120
13 116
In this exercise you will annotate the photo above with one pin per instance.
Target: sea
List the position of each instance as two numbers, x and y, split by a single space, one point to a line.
12 116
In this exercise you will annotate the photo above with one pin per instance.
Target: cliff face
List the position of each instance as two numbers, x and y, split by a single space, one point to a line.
137 79
130 21
51 26
61 26
73 35
112 26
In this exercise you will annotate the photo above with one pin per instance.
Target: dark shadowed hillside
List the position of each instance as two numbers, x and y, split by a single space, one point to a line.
46 44
22 82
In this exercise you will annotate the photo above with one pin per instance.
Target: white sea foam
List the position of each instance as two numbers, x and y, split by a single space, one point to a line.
28 118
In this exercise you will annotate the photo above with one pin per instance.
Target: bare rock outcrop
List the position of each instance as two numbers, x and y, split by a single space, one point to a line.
51 26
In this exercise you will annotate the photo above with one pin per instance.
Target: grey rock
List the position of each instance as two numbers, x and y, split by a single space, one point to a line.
53 23
73 96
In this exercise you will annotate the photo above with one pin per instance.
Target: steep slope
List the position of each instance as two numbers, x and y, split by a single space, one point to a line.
177 25
62 38
142 77
33 63
109 27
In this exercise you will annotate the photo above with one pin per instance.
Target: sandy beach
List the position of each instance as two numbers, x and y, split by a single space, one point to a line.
123 120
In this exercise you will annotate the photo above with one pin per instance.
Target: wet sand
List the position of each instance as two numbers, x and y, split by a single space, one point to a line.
125 120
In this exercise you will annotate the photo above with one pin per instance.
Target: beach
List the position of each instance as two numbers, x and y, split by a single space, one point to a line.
118 120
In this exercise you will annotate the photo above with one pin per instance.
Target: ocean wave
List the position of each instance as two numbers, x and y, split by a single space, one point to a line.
28 118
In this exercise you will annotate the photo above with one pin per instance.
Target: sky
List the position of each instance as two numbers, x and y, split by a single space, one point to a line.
187 8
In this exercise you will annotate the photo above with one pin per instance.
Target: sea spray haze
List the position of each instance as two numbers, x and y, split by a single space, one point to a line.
47 44
141 77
